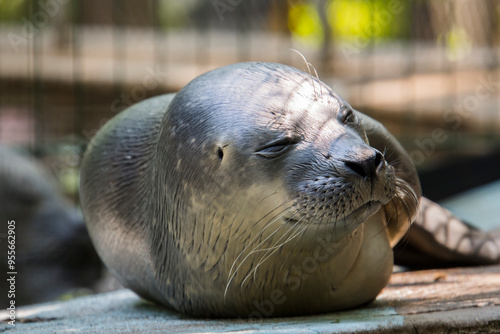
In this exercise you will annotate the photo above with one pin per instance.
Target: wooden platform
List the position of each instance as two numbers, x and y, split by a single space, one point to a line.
444 301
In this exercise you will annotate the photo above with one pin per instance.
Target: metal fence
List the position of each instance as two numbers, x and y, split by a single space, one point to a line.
427 69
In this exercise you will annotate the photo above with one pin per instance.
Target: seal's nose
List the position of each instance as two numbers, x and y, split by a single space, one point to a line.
367 165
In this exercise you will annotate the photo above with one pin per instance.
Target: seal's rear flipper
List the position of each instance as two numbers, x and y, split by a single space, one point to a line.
439 239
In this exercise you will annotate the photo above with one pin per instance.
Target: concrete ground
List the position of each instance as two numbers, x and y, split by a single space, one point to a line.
433 301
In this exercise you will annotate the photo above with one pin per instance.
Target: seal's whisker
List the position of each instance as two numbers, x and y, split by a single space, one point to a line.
264 249
275 248
407 208
293 236
314 68
384 152
308 68
303 58
404 198
255 237
284 235
405 193
269 252
296 240
256 250
317 77
274 193
396 211
389 155
318 225
395 162
272 221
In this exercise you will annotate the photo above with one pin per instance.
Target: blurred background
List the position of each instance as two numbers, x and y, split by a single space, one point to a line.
426 69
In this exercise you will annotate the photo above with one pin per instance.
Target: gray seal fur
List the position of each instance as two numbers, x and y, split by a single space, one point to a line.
254 187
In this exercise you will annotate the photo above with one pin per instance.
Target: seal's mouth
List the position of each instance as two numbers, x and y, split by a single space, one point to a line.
358 216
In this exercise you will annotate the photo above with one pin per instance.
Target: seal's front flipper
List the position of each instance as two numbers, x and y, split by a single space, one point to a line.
439 239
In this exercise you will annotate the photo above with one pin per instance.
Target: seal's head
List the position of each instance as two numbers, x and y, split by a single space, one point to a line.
271 129
254 162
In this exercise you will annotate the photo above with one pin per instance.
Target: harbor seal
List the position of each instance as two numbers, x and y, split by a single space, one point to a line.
254 191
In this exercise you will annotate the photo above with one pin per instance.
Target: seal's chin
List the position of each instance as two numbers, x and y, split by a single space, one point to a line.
357 216
364 212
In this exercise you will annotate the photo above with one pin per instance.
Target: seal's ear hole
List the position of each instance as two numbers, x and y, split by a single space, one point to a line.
220 153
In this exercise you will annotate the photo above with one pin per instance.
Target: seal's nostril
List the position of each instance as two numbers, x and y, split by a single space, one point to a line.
368 166
357 167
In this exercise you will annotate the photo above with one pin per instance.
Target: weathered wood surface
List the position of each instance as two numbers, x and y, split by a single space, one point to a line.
435 301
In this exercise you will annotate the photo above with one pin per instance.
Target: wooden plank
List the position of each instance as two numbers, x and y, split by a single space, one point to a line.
434 301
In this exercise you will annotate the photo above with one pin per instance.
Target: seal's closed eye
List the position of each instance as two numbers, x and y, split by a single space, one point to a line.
346 116
220 153
277 147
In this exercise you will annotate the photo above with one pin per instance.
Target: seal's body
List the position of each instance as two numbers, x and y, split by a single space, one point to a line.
254 191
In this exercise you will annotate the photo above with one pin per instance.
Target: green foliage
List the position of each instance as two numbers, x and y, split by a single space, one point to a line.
175 14
12 10
368 19
305 24
350 20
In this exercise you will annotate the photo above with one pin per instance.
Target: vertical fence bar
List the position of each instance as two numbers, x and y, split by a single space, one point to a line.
159 44
118 49
202 57
77 65
36 54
